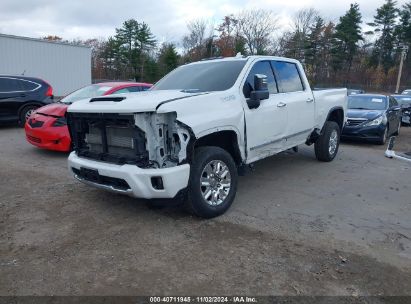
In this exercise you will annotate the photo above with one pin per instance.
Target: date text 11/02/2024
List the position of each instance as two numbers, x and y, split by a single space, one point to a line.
237 299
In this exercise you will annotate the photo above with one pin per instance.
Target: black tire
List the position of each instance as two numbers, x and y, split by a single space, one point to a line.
322 145
24 114
196 202
384 137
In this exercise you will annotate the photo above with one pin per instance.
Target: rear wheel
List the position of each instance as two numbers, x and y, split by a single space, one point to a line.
213 182
26 113
326 146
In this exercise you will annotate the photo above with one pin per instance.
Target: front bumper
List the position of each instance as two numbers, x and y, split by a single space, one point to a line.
139 182
365 133
47 136
406 119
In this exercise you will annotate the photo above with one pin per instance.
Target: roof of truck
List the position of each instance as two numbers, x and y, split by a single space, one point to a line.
243 58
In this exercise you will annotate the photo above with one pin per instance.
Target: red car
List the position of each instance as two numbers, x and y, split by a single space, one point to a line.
47 128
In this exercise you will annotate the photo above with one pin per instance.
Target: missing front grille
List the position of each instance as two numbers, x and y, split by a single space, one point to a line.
111 138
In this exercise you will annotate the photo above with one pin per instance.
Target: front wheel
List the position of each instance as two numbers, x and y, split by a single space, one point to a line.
326 146
213 182
383 138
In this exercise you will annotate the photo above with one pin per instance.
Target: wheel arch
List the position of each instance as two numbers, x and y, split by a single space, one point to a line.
30 103
336 114
225 139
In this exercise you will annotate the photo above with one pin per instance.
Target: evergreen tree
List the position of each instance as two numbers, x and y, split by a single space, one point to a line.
313 48
135 40
404 30
346 38
168 58
384 25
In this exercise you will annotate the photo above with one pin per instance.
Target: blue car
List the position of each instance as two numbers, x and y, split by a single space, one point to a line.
372 117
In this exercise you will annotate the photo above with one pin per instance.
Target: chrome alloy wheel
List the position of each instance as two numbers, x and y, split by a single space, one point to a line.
215 182
332 145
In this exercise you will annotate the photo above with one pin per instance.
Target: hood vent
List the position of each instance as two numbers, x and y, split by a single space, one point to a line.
114 99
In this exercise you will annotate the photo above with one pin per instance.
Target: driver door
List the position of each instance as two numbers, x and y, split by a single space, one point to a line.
266 125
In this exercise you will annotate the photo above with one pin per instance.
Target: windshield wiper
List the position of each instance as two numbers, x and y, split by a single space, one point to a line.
359 109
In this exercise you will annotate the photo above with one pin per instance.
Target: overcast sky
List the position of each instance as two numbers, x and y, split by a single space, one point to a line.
167 18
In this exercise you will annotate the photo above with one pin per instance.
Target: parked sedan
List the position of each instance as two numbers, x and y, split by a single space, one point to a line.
372 117
47 127
20 96
405 102
406 92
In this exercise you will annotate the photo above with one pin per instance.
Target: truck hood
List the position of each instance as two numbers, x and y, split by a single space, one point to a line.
54 109
367 114
147 101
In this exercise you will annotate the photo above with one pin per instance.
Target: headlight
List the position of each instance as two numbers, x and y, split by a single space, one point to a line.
377 121
60 122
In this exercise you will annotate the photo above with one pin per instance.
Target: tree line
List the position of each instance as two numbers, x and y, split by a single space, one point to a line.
333 54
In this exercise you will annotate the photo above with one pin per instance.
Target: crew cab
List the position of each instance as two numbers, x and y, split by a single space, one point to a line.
198 128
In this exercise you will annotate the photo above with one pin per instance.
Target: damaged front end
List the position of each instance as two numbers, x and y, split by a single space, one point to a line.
147 140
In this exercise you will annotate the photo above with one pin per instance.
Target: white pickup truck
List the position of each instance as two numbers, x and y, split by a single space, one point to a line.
197 129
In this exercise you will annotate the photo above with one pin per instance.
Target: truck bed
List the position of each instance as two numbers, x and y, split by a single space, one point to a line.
326 99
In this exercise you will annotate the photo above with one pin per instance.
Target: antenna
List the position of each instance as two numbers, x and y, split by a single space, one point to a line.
22 74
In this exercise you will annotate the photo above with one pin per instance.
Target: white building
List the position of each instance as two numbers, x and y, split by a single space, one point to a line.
65 66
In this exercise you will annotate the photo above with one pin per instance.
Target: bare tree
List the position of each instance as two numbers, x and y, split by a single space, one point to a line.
195 40
258 27
302 22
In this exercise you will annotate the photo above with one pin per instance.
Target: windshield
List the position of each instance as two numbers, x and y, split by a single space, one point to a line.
403 100
86 92
202 77
367 102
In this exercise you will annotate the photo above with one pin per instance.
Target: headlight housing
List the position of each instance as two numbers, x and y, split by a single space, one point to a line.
60 122
376 122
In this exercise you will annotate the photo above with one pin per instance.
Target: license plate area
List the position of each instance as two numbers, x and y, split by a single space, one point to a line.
90 174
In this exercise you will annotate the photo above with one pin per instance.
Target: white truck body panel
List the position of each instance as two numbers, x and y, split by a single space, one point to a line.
326 100
281 122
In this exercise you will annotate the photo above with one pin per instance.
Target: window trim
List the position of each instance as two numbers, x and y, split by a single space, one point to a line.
21 91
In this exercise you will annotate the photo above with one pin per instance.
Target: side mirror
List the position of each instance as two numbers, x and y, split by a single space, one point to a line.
260 91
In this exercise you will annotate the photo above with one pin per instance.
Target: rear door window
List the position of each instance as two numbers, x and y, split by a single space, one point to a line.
288 76
9 85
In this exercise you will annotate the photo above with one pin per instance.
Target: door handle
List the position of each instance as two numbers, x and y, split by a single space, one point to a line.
281 105
310 99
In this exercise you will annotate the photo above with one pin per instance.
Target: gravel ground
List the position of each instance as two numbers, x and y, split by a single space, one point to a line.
297 227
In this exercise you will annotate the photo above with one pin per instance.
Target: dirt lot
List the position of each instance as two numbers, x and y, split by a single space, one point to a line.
297 227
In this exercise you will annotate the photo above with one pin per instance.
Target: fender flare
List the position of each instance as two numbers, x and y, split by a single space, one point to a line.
236 148
333 109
